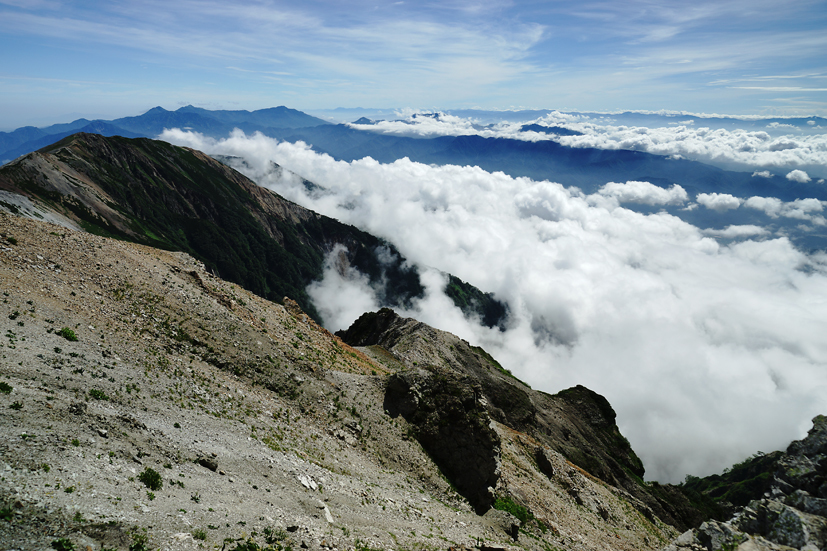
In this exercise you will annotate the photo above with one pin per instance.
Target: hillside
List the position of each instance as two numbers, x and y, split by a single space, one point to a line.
151 192
120 361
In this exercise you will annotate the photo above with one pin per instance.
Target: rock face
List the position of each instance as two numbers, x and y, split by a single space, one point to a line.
791 514
451 422
577 422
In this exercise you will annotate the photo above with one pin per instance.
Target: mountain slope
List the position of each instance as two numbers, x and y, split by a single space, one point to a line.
154 193
148 403
273 117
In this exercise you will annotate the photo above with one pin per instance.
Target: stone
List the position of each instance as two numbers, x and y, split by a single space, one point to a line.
541 455
504 522
78 408
715 535
307 481
208 463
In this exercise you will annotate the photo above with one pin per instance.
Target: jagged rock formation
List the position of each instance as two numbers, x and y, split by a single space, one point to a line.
791 514
578 423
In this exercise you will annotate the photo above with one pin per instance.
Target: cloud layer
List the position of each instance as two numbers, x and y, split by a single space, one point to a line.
708 351
738 149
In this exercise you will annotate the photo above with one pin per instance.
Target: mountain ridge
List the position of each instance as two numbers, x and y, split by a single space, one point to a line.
177 198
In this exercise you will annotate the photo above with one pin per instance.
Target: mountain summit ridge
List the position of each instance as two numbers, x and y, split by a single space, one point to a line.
162 195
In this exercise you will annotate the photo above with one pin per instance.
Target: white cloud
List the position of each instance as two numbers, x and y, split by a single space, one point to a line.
762 174
734 232
708 352
719 202
798 176
644 193
345 295
734 149
802 209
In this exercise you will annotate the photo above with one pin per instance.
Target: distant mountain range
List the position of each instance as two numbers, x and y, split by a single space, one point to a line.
585 168
153 122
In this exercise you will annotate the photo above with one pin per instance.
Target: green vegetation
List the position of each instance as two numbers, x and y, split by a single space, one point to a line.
67 334
63 544
16 405
737 485
140 541
151 479
505 503
98 394
472 301
6 388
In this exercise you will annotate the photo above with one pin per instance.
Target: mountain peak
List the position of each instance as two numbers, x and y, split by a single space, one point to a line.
156 110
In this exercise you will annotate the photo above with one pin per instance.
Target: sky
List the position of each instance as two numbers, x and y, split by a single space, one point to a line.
63 59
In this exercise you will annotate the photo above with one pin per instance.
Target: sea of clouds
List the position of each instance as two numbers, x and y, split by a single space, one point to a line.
709 344
802 150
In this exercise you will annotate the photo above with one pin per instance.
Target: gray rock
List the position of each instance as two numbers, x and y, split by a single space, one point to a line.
716 535
504 522
208 463
780 523
452 425
544 461
803 501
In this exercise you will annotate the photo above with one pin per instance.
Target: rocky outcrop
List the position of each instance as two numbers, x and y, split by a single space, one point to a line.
577 422
451 422
792 514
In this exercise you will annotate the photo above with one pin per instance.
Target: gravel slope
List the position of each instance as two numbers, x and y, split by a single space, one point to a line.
179 372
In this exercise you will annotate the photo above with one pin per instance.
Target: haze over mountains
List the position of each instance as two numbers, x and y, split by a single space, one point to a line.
693 297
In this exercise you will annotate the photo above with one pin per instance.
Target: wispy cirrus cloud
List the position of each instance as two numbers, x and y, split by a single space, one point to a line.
594 56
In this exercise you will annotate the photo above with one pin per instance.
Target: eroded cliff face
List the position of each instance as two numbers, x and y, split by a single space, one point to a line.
449 418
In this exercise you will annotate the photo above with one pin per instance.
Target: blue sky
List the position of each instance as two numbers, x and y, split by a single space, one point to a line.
64 58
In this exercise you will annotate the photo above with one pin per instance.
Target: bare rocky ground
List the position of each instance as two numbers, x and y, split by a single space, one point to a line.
264 429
